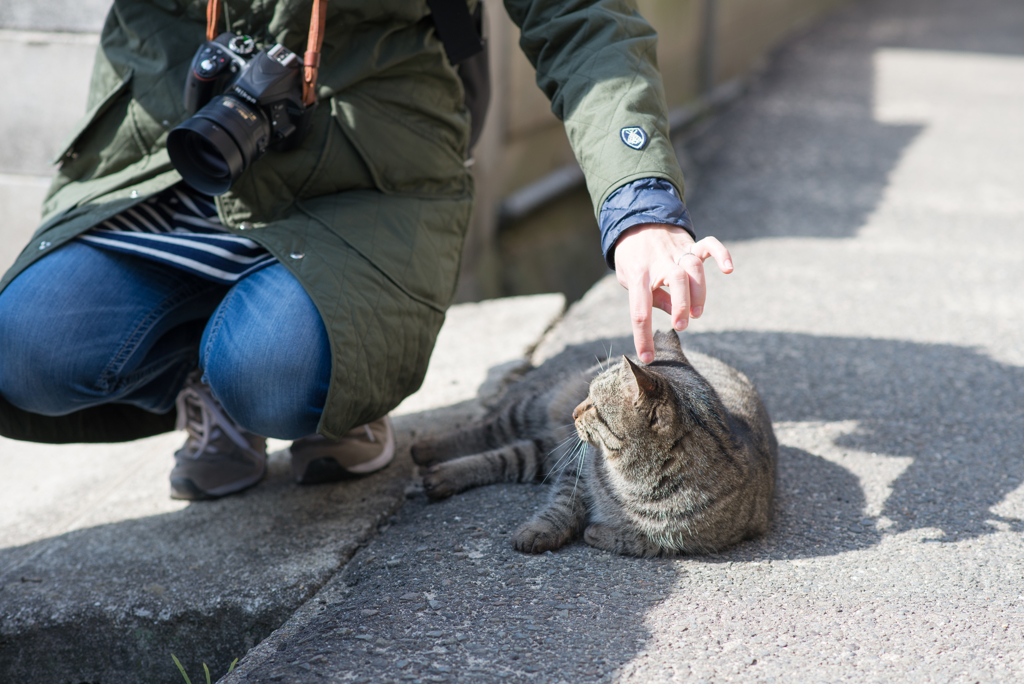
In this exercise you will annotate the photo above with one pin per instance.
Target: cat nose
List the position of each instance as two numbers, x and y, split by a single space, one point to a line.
582 408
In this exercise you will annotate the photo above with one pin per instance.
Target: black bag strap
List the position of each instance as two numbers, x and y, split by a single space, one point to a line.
455 28
475 73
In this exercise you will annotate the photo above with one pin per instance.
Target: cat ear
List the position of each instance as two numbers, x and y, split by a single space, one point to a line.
644 382
669 340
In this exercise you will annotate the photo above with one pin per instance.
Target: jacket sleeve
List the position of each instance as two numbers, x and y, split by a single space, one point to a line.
648 200
596 61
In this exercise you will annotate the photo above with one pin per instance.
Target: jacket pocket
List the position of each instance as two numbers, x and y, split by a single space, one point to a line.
67 146
406 151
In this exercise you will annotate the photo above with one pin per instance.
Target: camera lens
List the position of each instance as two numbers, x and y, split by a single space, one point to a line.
213 148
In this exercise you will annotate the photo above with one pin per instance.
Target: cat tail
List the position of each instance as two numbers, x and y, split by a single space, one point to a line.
556 524
510 425
519 461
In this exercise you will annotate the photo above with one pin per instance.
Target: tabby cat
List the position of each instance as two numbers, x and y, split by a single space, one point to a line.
676 456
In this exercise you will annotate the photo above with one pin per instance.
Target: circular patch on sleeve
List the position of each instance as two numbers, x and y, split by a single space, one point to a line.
634 136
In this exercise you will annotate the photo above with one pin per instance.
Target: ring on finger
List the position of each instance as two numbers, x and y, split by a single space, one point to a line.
679 262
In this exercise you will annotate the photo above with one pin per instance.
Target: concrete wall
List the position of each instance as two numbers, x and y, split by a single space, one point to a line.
702 43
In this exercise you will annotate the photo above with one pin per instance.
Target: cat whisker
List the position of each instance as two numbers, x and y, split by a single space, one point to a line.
561 445
579 471
607 359
567 438
557 467
566 459
577 453
559 461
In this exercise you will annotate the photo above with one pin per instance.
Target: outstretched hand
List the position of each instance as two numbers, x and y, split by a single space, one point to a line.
652 257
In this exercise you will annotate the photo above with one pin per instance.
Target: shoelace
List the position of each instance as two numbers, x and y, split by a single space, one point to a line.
195 395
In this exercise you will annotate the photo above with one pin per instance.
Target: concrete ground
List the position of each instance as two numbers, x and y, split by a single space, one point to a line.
869 187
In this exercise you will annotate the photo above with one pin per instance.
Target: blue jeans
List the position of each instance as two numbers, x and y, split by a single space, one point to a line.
84 326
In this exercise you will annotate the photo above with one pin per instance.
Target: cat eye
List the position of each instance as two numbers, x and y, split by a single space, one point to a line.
654 418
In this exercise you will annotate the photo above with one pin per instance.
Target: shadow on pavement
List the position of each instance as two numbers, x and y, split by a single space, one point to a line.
953 411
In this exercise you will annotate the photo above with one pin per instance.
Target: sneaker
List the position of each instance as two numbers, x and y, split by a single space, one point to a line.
363 450
219 457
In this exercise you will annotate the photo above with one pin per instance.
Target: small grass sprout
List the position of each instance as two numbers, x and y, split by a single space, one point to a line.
181 669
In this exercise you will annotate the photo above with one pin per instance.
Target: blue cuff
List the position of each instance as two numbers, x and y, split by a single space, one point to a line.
648 200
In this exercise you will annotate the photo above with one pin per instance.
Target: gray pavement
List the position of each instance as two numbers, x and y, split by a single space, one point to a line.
869 187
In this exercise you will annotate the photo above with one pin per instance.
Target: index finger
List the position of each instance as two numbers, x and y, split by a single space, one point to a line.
640 301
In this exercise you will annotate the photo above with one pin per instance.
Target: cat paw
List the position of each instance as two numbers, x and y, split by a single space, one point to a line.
436 485
423 454
600 536
611 539
537 538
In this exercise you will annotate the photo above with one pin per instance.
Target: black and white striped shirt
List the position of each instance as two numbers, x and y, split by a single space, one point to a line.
180 227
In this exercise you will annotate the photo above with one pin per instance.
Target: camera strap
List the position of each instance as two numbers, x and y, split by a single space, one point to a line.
310 60
212 19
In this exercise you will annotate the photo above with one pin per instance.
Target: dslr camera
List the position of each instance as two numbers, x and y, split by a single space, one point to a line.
241 103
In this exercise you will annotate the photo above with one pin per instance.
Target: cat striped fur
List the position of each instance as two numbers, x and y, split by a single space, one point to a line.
677 456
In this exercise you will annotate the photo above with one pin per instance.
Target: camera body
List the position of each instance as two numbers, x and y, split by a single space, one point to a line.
215 64
241 103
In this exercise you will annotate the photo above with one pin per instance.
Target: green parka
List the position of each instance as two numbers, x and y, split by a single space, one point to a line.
371 211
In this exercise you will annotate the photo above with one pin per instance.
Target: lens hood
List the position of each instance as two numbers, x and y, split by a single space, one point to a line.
213 148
